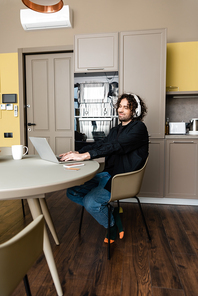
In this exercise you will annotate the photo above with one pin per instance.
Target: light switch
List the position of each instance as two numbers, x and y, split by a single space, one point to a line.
3 106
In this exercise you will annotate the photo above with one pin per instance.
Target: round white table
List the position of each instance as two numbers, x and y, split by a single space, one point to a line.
30 178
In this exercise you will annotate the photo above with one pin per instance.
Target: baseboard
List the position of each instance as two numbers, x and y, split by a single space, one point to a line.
165 201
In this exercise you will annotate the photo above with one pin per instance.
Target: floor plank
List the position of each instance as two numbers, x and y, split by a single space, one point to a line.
108 274
187 265
193 237
136 270
175 231
163 268
189 217
167 292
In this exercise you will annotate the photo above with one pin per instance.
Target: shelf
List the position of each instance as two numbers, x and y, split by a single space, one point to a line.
96 117
182 94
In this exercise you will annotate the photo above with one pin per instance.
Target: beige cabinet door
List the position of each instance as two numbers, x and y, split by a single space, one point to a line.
50 100
153 182
142 70
96 52
181 173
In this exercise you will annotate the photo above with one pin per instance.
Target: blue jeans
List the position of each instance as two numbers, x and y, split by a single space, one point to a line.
94 197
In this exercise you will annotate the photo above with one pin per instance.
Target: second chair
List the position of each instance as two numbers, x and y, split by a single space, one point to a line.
18 254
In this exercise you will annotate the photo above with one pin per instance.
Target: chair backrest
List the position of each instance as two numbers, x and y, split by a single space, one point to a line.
127 185
5 151
18 254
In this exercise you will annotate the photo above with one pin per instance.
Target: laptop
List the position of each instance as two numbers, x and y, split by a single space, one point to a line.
44 150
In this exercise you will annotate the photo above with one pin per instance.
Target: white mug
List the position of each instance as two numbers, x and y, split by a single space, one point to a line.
17 151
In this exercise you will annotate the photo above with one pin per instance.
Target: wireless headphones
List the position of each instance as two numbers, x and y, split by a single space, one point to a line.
137 112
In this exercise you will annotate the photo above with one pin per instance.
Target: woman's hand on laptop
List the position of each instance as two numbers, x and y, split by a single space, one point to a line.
74 155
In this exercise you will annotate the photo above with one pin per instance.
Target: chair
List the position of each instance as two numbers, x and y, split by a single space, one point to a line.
18 254
123 186
8 151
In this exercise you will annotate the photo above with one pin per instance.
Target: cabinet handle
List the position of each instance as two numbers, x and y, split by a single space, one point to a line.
89 69
183 142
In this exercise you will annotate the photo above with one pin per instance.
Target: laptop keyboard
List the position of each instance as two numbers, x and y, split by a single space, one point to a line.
59 159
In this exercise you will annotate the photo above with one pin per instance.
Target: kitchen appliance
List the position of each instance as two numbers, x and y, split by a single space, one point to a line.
95 111
177 128
193 127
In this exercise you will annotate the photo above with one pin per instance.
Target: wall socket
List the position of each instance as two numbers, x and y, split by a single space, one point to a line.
8 135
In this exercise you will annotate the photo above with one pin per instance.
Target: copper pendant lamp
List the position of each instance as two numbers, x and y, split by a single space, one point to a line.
44 6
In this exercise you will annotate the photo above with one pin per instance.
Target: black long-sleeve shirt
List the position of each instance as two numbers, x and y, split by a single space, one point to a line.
125 149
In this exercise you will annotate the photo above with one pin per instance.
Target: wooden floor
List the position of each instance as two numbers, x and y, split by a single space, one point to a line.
166 266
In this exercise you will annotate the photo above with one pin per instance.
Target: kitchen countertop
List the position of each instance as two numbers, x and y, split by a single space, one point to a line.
186 136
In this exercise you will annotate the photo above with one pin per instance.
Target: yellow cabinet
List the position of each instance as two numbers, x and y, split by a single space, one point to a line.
182 66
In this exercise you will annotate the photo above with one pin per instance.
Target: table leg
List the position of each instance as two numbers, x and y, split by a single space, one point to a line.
48 219
36 211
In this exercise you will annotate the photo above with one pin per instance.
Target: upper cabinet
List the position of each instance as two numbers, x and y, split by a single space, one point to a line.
96 53
182 66
142 70
142 67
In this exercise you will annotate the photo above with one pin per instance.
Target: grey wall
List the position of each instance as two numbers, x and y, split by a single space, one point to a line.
91 16
181 109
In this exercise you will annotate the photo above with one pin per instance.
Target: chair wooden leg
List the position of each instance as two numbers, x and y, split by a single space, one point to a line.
109 216
27 286
143 217
23 207
81 218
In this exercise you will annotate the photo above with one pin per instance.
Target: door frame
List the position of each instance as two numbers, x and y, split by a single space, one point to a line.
22 52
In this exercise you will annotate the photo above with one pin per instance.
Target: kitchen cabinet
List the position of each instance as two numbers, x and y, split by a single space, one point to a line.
142 70
181 171
96 53
182 66
153 182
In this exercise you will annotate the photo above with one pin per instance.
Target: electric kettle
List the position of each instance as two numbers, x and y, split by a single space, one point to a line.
193 128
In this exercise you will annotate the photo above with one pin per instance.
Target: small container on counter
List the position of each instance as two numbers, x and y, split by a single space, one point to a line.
167 126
